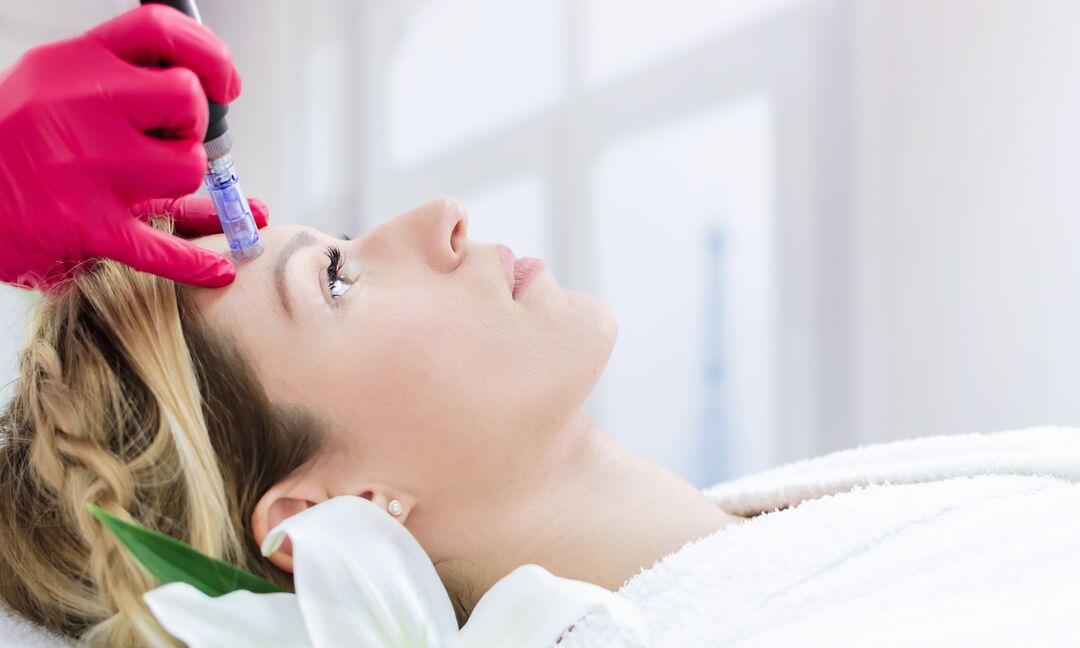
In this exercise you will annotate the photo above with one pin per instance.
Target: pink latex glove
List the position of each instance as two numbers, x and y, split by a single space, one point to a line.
92 126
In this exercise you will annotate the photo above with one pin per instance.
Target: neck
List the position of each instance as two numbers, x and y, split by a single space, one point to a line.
598 513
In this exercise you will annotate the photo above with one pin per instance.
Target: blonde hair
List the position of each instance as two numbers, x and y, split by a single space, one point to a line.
127 401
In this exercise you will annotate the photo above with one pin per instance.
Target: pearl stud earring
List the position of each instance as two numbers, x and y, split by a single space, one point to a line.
395 507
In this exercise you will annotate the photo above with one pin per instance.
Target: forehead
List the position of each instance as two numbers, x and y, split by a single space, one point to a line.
250 304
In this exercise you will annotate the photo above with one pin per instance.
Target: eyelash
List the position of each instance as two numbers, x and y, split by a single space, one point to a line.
333 252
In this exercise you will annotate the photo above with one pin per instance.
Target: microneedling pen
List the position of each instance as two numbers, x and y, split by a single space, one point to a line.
231 204
233 210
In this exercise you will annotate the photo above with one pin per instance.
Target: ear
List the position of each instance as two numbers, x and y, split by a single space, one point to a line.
286 498
306 488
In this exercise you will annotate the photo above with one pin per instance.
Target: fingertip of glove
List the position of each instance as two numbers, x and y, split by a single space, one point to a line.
222 274
259 211
234 86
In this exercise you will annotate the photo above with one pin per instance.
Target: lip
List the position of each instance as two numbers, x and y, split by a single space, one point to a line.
518 272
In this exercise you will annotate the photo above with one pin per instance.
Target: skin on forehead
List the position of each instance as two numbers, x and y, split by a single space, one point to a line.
251 297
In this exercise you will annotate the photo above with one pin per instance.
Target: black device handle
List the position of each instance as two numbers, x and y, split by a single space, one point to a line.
217 125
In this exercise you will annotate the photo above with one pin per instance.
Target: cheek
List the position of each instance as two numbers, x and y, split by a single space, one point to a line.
445 377
413 370
461 355
438 356
407 411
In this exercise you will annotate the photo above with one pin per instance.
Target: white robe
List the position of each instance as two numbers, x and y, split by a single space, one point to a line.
964 540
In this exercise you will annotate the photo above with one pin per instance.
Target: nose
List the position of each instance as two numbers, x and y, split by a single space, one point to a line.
443 233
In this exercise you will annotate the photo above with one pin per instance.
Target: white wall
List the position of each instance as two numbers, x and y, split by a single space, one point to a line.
965 193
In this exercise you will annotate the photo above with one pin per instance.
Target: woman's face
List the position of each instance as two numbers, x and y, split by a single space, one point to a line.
433 376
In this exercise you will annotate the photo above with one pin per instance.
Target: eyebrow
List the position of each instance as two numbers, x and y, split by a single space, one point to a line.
300 240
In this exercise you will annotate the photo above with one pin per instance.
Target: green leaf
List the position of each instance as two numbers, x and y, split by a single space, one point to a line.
170 560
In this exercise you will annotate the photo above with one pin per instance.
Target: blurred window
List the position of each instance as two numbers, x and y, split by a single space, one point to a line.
455 77
622 35
683 254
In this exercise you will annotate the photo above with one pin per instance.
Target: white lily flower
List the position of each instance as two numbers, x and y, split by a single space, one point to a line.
362 580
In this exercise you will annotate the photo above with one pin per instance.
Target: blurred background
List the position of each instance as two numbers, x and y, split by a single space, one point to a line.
820 223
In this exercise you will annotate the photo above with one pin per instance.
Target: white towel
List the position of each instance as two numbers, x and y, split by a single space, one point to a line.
938 541
18 632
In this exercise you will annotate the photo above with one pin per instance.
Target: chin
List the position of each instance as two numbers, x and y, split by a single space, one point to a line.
599 331
607 325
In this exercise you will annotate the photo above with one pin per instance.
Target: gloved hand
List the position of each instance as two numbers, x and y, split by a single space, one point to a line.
89 127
